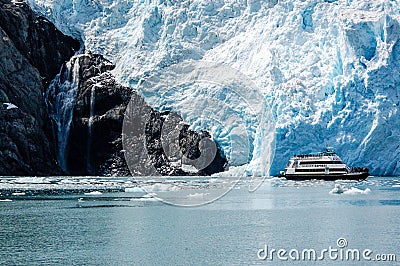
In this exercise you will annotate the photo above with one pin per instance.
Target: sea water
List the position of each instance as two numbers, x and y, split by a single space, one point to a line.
109 221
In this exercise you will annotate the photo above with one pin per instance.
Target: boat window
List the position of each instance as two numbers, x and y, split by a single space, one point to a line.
321 162
331 170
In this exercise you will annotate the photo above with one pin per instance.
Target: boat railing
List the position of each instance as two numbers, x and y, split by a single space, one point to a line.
314 165
319 155
302 156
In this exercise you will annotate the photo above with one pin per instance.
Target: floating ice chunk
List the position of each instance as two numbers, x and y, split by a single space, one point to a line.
18 194
355 191
340 189
397 185
92 193
189 168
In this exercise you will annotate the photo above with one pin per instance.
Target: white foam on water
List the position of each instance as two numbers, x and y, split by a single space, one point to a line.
5 200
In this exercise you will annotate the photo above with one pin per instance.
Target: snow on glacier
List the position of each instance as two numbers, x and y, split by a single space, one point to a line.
329 70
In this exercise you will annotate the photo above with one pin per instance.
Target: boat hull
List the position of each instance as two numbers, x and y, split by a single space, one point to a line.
328 177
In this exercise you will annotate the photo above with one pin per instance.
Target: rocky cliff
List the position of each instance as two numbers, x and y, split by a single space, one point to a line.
95 134
32 51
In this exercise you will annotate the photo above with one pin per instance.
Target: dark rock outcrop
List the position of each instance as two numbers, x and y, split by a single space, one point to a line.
36 38
95 140
100 104
31 53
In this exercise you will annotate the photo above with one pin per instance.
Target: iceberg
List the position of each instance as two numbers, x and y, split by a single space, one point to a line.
340 189
93 193
328 71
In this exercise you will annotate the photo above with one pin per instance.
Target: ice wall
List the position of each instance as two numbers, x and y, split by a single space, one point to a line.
328 69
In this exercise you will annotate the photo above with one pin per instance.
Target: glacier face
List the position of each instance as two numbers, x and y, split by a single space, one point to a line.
329 70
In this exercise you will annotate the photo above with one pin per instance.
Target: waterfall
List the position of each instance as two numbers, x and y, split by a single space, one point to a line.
60 101
90 123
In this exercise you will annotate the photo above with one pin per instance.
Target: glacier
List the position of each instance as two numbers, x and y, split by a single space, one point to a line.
328 70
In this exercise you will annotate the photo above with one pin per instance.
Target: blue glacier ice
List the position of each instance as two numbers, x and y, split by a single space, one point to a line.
328 70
